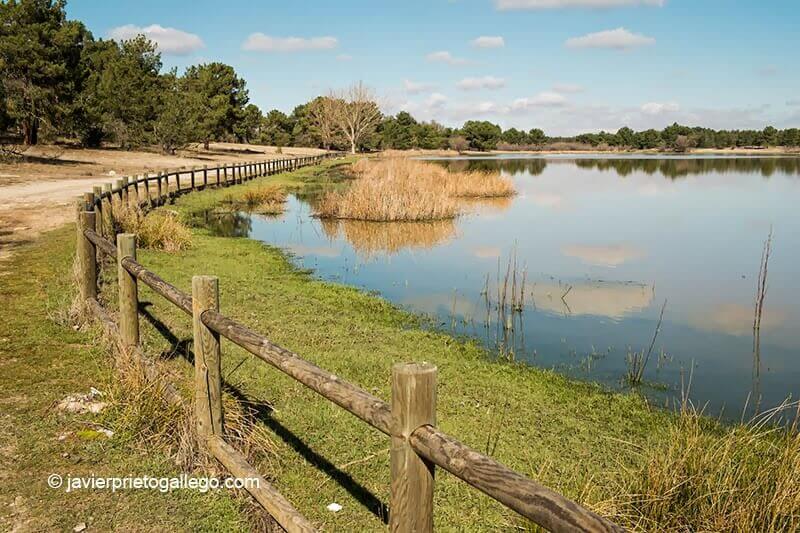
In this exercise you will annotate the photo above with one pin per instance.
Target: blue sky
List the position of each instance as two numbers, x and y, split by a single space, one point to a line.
562 65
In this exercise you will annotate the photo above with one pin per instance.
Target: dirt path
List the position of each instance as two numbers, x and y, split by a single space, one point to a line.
38 193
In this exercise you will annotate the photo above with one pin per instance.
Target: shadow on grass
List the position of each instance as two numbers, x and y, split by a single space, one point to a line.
263 413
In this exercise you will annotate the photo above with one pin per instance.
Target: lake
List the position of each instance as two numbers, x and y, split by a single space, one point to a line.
573 272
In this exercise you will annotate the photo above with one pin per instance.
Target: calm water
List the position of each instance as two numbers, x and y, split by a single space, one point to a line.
601 244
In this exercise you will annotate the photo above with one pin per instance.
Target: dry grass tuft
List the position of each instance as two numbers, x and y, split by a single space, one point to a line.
267 200
158 230
400 189
144 409
707 477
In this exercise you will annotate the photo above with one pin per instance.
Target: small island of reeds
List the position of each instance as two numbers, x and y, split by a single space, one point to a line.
401 189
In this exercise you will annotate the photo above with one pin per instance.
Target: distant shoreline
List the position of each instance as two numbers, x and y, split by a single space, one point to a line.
772 151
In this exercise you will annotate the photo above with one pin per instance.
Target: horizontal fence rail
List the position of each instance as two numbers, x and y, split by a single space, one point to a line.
410 419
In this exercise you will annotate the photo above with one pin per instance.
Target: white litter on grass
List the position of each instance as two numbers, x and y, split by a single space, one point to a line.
334 507
83 403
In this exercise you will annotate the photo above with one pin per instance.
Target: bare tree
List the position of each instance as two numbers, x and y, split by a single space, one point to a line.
322 113
356 113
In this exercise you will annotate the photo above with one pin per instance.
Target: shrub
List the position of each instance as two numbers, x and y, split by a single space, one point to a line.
158 230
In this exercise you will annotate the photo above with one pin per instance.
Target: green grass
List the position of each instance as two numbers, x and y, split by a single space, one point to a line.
42 360
593 445
563 433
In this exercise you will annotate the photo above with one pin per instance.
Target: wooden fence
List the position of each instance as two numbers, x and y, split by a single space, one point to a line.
409 420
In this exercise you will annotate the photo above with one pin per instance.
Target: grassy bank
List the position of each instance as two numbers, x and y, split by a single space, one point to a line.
42 360
563 433
644 467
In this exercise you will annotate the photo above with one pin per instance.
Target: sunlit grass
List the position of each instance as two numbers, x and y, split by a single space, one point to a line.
402 189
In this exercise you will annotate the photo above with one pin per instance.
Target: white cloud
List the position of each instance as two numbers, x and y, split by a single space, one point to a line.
344 57
657 108
259 42
543 99
168 40
486 41
445 57
567 88
436 101
413 87
558 4
618 39
486 82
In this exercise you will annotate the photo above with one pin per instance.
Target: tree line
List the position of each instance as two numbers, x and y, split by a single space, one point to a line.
59 81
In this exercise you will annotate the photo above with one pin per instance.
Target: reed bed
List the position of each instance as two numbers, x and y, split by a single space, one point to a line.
401 189
266 200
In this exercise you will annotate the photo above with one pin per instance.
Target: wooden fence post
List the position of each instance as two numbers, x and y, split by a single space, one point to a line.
217 175
205 176
165 177
207 373
88 202
159 192
136 188
98 219
108 221
413 405
125 186
192 178
118 187
128 291
178 182
87 256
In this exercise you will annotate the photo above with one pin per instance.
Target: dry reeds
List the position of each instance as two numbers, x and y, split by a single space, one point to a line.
400 189
708 477
266 200
158 230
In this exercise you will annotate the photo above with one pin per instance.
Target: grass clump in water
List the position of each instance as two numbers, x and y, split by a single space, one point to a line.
400 189
267 200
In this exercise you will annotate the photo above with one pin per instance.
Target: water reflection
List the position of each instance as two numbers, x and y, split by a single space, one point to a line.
670 167
597 244
224 223
370 239
605 299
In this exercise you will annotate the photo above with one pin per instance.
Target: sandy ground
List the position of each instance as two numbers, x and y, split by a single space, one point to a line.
39 192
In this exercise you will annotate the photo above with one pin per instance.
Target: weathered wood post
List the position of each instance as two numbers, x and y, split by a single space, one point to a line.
413 405
159 192
118 187
225 174
217 175
207 373
192 178
178 182
165 177
108 221
136 188
98 219
86 256
128 291
88 202
125 186
205 176
147 190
